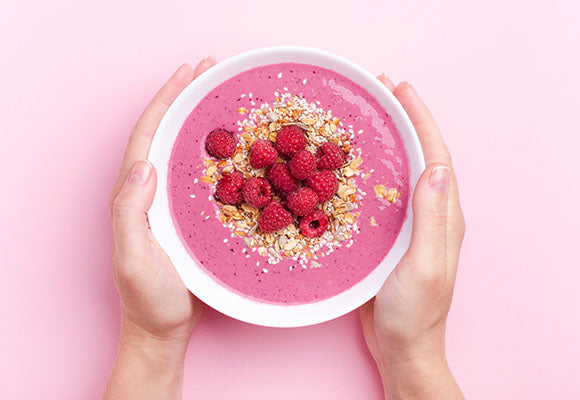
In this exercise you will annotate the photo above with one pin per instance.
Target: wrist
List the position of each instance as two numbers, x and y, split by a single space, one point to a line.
147 366
166 350
414 370
428 350
407 376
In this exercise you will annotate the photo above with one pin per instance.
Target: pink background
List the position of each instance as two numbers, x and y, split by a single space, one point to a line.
501 77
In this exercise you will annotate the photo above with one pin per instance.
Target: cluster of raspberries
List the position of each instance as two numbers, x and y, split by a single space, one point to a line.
302 180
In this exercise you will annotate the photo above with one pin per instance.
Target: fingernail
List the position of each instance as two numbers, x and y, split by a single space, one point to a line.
140 173
208 59
439 179
412 87
204 64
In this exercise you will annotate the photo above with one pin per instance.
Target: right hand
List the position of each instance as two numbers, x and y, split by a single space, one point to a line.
404 325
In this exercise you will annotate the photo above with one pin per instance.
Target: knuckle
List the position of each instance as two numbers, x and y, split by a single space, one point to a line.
127 260
119 209
125 278
433 279
430 275
436 217
125 272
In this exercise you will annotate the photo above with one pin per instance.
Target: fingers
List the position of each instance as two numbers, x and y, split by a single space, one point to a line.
429 242
204 65
142 134
431 141
130 206
435 153
386 81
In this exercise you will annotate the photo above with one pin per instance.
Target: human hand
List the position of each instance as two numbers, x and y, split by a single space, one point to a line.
404 325
158 312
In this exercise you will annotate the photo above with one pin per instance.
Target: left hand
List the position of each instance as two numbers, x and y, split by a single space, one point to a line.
155 302
158 312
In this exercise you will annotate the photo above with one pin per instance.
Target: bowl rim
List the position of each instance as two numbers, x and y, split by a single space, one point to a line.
208 289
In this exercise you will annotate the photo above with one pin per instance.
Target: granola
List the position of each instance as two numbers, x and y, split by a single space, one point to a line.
319 126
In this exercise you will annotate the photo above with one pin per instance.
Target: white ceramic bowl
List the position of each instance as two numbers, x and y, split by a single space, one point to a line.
194 277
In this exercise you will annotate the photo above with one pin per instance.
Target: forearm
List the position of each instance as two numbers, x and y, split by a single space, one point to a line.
418 376
146 368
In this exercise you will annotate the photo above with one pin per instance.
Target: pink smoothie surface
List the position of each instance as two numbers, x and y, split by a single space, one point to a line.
211 244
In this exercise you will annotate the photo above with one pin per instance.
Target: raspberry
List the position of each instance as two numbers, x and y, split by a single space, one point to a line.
263 154
229 188
274 217
302 202
329 156
302 165
324 183
220 143
289 140
281 179
257 192
314 224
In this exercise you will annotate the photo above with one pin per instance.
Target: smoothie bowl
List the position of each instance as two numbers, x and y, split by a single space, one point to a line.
285 179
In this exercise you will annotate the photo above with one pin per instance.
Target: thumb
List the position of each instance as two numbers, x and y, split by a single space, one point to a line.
129 209
429 240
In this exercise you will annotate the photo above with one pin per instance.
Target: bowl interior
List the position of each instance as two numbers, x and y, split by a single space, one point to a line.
194 277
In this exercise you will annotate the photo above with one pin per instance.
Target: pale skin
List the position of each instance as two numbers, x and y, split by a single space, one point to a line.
404 325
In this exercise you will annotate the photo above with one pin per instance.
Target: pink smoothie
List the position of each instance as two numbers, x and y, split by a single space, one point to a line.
211 244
